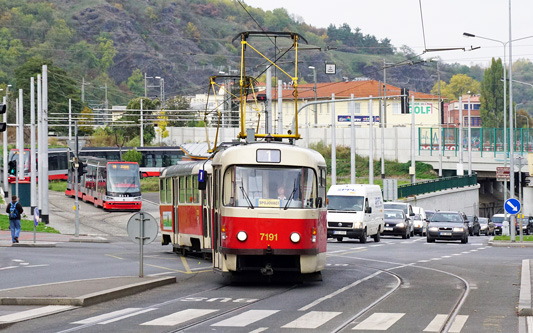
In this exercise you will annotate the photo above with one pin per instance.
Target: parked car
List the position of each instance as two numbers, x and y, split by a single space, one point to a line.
419 221
408 211
355 211
396 223
485 226
448 225
498 219
473 225
527 225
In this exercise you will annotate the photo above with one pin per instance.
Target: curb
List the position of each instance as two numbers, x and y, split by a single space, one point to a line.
90 299
510 244
88 240
524 301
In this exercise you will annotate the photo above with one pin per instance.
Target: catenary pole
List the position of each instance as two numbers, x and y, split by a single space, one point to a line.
333 144
33 160
142 123
39 144
469 138
45 212
461 136
371 139
352 138
413 139
511 130
4 140
20 166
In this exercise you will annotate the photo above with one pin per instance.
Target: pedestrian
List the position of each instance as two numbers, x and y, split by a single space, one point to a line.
14 209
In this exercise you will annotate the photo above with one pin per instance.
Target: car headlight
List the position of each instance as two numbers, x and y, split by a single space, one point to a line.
433 229
401 225
458 229
242 236
483 227
358 225
295 237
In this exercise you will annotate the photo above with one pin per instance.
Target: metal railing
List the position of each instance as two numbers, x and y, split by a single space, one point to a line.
443 183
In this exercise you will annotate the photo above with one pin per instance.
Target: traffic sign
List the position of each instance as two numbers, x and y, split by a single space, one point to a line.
512 206
149 230
36 217
503 173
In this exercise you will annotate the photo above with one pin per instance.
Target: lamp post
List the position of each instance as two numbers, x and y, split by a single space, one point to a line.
314 89
517 104
527 119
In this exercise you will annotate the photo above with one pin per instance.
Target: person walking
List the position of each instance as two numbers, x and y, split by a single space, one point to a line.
14 209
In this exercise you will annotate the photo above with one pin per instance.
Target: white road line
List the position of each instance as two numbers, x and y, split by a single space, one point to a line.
379 321
437 323
24 263
312 319
375 245
106 316
441 257
423 260
465 252
42 265
157 274
127 316
456 254
435 259
179 317
34 313
17 260
259 330
339 291
7 267
458 323
470 250
245 318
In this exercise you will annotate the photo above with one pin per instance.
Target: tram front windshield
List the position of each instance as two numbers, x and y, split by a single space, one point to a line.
123 178
263 187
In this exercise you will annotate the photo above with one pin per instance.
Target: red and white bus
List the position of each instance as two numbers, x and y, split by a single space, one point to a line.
110 185
240 217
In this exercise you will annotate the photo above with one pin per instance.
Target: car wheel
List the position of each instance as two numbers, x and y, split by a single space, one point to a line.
477 233
339 239
405 235
377 237
430 240
363 237
464 240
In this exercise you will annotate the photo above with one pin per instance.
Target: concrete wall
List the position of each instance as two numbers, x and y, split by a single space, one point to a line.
465 199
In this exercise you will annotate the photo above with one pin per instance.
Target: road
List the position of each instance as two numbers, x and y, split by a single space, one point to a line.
395 285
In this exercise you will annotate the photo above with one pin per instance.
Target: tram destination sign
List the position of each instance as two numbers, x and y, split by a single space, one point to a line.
503 173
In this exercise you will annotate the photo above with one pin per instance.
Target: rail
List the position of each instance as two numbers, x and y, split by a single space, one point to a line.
436 185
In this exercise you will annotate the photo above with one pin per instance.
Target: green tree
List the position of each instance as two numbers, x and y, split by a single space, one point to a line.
136 82
86 119
491 100
132 156
107 52
183 117
132 131
459 85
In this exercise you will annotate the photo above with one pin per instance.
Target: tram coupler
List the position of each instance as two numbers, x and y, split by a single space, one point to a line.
267 270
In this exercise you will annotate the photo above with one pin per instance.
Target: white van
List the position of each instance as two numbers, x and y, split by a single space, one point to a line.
355 211
420 221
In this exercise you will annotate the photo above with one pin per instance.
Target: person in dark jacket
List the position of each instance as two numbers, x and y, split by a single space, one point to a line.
14 210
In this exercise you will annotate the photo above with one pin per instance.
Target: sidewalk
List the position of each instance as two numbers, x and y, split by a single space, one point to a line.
44 239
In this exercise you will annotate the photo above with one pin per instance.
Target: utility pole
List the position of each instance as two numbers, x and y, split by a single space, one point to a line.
145 84
5 178
33 160
40 136
280 107
461 172
469 138
76 181
268 103
69 119
441 135
353 178
413 138
44 161
371 139
511 130
142 124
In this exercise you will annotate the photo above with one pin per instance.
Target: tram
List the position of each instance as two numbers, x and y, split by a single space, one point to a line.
110 185
263 208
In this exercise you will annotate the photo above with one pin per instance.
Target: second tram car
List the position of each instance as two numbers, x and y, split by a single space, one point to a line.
263 208
110 185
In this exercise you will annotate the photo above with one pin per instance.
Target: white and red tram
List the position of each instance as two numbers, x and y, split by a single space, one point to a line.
263 208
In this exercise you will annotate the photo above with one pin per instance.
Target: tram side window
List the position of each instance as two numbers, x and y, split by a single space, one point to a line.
168 190
195 191
183 190
162 185
322 185
166 160
229 187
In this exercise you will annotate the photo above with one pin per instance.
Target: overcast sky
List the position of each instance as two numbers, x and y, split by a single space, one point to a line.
444 23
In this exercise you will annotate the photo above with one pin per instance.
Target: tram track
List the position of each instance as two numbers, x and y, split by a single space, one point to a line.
450 316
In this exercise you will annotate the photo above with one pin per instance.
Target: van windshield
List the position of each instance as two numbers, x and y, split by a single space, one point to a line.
396 206
337 202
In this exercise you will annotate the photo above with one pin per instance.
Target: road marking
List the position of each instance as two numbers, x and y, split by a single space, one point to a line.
179 317
339 291
446 256
473 250
112 256
456 254
245 318
435 259
106 316
127 316
7 267
379 321
17 260
31 266
259 330
157 274
458 323
376 245
312 319
423 260
185 264
465 252
437 323
34 313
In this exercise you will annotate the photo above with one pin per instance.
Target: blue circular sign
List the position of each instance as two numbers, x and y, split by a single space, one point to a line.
512 206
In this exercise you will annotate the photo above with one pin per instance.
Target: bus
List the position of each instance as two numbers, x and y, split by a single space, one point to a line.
109 185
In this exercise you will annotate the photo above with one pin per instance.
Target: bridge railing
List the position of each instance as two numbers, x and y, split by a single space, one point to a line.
436 185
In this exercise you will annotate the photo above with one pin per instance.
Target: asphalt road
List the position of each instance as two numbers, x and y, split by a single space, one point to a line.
395 285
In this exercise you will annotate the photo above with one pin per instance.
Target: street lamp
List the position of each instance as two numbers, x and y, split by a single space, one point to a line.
527 119
517 104
314 78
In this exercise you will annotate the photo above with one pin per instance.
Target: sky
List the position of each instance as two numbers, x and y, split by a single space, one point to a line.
444 24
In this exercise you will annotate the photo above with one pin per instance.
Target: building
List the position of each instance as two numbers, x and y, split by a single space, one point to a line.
367 95
452 114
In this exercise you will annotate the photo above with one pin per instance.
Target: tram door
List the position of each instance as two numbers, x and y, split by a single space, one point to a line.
175 200
217 256
207 214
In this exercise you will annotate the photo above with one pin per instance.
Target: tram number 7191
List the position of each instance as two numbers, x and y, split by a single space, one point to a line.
268 237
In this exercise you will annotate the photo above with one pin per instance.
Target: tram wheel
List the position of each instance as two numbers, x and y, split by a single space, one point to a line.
339 239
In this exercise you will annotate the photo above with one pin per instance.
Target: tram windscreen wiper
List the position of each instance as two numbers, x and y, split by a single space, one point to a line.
290 196
246 197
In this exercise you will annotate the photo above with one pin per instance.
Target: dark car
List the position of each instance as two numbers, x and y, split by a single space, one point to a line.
473 225
408 211
448 225
485 226
429 214
527 225
396 223
498 220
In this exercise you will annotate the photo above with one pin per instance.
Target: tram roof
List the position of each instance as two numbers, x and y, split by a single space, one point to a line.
185 168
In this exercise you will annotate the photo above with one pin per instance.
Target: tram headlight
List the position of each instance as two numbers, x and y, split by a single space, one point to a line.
242 236
295 237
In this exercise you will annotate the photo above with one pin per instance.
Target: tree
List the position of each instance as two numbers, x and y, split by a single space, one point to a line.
86 118
133 156
148 130
459 85
136 82
491 100
182 117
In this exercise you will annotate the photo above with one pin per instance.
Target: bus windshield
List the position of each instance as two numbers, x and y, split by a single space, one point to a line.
263 187
123 178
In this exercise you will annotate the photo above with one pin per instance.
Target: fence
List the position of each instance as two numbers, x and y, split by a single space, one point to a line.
436 185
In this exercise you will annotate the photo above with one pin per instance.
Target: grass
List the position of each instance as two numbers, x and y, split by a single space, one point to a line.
26 225
506 238
149 184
